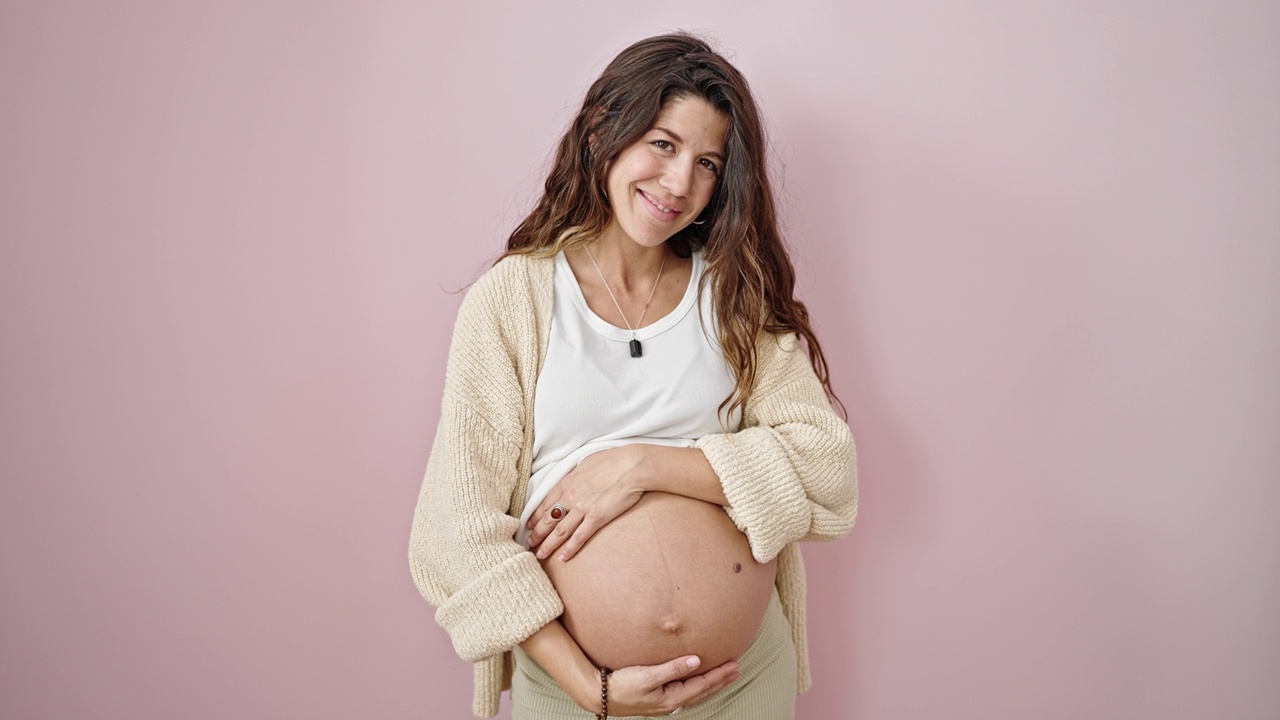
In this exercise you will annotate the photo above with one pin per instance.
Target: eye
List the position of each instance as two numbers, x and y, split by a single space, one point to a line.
663 144
710 165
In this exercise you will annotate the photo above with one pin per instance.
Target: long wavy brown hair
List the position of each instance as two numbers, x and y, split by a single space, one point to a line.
751 277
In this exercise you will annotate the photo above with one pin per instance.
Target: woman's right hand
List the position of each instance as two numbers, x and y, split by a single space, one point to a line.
655 690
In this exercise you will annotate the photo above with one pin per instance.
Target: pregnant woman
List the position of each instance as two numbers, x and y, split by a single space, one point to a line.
636 428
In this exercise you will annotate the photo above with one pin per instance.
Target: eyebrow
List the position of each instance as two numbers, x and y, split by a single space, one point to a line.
678 139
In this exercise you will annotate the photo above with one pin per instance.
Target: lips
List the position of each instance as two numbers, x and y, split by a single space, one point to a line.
657 209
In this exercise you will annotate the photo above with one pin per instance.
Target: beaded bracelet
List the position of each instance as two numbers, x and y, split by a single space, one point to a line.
604 694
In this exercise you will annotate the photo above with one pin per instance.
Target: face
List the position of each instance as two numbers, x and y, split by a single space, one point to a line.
659 184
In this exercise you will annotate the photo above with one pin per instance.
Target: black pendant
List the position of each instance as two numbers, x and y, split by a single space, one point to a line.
636 350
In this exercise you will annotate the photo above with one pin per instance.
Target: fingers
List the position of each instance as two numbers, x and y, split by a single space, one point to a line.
569 534
542 521
542 525
586 529
700 687
646 689
678 692
561 531
544 508
659 689
656 676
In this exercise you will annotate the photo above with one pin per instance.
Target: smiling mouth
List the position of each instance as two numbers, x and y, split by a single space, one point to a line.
665 212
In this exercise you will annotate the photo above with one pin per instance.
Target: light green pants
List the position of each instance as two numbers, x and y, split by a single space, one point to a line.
766 689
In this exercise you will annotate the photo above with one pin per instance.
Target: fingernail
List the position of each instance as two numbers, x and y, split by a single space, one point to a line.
564 559
541 555
692 662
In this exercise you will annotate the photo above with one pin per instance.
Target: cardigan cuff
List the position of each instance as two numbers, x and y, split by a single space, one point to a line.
500 609
765 501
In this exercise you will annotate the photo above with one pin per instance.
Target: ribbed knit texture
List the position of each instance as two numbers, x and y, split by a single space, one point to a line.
789 475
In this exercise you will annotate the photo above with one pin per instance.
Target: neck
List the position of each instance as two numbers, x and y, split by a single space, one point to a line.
627 265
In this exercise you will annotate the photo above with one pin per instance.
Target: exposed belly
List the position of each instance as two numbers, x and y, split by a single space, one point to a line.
671 576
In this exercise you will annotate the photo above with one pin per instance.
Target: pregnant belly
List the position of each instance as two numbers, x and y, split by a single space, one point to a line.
672 576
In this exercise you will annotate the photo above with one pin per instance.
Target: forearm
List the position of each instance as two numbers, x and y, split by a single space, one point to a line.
608 483
680 471
790 472
558 653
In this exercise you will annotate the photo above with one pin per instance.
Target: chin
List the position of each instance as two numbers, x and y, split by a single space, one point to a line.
645 233
653 239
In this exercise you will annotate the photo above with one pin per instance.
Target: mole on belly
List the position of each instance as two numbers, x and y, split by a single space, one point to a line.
737 567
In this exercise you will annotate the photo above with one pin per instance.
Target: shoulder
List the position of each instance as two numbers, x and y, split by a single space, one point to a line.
502 321
783 365
775 350
512 276
774 343
515 284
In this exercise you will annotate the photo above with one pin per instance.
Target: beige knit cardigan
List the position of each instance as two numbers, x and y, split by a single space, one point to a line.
788 473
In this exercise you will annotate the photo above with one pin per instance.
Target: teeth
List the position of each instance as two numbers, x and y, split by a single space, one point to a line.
661 207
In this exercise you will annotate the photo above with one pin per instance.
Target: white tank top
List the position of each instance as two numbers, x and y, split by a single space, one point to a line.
592 395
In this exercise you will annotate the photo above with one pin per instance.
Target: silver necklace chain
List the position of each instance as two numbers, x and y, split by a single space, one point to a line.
615 299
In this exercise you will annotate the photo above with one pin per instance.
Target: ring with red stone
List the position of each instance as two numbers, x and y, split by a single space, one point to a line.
558 511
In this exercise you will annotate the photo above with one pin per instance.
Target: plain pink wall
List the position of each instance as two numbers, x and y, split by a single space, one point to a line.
1041 242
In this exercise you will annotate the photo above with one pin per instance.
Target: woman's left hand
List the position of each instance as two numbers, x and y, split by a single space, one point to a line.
598 490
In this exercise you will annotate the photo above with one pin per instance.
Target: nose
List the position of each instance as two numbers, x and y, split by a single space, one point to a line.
677 178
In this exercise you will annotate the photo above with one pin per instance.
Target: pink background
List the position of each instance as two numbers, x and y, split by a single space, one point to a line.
1041 242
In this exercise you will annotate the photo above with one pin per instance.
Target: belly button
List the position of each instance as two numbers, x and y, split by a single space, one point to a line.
737 567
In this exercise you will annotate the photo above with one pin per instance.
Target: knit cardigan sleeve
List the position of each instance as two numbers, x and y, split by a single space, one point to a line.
489 590
790 472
